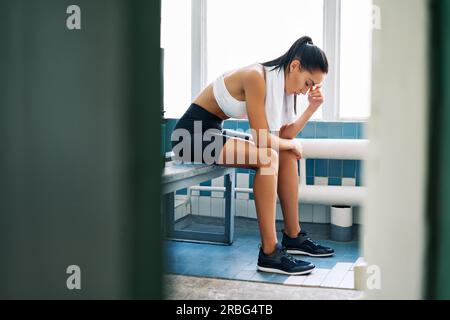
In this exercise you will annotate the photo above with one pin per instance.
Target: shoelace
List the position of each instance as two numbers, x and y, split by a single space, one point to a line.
310 240
288 256
314 243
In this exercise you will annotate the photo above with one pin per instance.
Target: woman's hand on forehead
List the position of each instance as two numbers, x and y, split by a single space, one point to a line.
314 88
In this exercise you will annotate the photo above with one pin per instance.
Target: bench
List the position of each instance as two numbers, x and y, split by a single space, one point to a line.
178 176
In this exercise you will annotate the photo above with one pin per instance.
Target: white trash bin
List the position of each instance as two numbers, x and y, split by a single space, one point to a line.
341 223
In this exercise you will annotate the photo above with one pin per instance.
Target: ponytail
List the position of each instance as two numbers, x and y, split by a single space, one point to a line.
295 51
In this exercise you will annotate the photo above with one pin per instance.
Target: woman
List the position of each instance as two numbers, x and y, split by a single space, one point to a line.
253 93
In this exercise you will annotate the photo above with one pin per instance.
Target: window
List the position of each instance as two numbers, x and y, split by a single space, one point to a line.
356 57
223 35
261 30
176 41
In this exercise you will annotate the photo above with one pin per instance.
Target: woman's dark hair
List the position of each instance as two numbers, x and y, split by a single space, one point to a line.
311 58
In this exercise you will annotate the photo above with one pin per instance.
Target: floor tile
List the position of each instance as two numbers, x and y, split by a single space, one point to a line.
316 277
239 260
349 281
295 280
336 275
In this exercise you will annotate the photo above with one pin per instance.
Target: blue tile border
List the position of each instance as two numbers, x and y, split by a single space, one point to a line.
350 131
182 192
312 129
170 125
205 193
349 169
309 131
361 130
321 168
335 168
358 168
334 130
243 125
334 181
229 124
310 168
251 181
321 130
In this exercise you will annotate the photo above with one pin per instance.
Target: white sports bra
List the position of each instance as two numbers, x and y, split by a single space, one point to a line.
232 107
279 107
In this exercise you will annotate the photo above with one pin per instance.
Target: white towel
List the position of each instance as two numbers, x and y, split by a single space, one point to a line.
279 106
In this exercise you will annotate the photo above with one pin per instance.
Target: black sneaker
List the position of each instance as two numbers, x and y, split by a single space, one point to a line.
282 262
303 245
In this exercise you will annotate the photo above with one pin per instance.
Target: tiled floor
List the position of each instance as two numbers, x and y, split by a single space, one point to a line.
238 262
179 287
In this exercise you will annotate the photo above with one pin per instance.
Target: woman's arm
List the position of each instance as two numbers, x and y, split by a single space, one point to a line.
254 87
291 130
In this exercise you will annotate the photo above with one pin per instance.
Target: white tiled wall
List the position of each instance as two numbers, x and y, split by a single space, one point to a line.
214 206
321 181
195 192
217 207
204 206
357 215
306 213
242 181
251 209
279 212
348 182
219 182
194 205
319 214
241 208
181 209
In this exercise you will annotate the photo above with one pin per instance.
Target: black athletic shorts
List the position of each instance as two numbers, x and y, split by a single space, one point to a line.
205 132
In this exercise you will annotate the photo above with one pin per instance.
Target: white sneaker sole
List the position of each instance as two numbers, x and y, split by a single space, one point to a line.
271 270
303 253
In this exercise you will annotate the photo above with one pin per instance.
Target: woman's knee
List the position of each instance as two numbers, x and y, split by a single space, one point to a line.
268 158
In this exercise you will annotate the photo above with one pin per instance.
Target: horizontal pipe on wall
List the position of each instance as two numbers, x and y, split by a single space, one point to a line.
340 149
332 195
321 195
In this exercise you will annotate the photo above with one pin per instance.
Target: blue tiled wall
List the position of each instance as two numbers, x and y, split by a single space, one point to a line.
334 170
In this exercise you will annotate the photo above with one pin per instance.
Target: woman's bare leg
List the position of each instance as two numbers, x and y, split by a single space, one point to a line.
288 192
245 154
